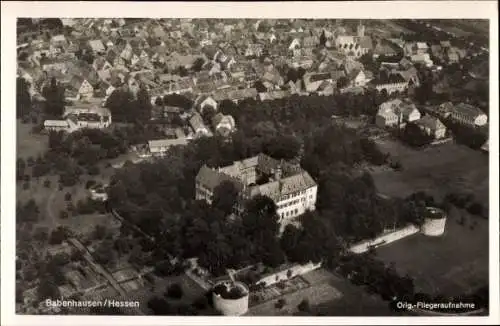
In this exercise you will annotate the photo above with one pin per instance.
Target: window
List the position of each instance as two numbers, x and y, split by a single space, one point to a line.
296 211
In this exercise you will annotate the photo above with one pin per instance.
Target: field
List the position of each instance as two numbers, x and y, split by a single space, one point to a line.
438 170
29 144
446 264
51 200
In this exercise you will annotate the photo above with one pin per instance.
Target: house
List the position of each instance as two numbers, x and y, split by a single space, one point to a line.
415 48
359 78
101 64
423 58
273 95
60 125
396 113
198 126
390 83
81 87
204 101
95 117
310 41
253 50
58 41
97 47
432 126
160 146
312 81
354 46
290 187
383 48
295 44
469 115
224 125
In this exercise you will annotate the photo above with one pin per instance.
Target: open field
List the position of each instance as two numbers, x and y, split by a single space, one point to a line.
29 144
446 264
437 170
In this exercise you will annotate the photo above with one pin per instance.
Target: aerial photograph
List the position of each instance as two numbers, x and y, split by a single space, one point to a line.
252 167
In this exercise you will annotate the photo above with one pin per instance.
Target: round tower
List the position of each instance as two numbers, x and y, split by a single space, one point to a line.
230 298
434 222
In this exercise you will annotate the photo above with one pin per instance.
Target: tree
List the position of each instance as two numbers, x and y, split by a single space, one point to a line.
225 196
47 289
283 147
54 99
59 235
46 183
159 306
144 106
322 39
304 306
198 64
174 291
23 98
414 136
280 303
100 232
105 253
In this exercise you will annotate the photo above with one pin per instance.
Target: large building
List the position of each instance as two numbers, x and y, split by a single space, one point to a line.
77 118
291 188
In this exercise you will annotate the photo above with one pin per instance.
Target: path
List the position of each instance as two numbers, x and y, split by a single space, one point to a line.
50 213
96 266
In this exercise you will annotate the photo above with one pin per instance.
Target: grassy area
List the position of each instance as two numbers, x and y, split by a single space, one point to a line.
191 291
319 292
446 264
29 144
437 170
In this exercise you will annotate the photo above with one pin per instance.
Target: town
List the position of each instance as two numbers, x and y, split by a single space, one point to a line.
273 167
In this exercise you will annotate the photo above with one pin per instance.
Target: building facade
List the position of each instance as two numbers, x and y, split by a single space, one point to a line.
290 187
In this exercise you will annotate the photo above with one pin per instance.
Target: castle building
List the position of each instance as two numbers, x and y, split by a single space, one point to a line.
291 188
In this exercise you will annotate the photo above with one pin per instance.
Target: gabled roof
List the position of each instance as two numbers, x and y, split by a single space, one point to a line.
430 122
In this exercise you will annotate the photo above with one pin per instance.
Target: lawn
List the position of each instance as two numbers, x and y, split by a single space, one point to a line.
438 169
446 264
29 144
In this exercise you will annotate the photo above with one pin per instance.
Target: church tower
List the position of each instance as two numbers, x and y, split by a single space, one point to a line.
361 29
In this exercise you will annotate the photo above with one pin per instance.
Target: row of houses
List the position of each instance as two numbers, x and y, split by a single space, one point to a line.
397 113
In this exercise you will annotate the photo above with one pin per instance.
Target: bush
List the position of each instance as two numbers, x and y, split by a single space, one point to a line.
280 303
63 215
304 306
93 170
90 184
201 303
164 268
475 209
174 291
67 196
46 183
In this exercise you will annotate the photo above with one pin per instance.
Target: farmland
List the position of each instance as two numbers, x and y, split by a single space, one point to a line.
447 264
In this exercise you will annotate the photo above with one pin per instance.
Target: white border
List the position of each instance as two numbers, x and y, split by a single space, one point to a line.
375 9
